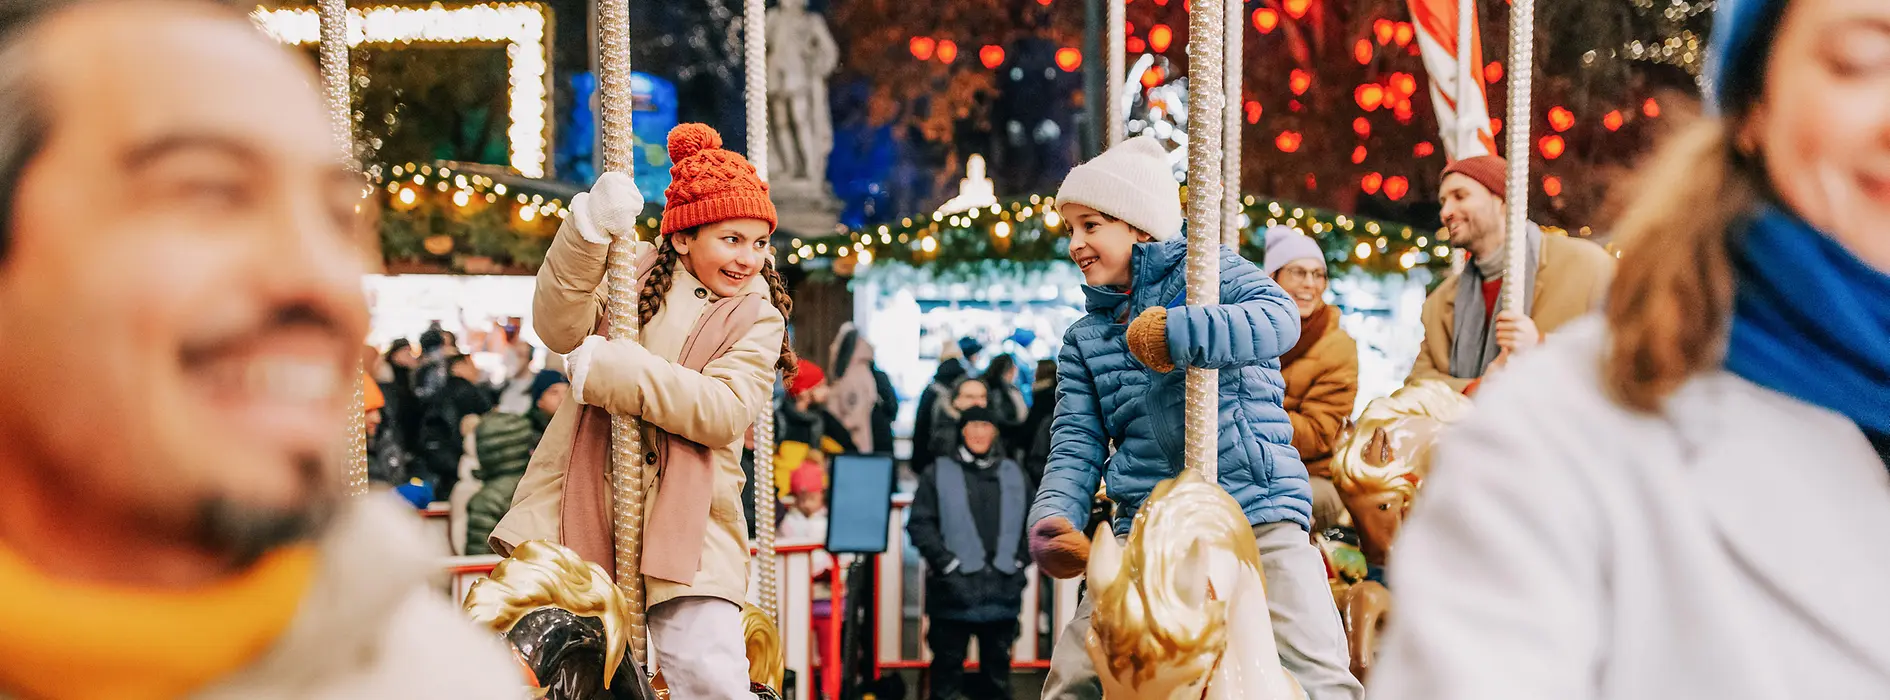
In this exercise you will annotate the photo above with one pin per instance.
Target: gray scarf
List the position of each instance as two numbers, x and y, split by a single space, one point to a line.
1472 336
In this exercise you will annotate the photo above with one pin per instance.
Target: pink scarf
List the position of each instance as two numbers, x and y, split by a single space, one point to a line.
685 469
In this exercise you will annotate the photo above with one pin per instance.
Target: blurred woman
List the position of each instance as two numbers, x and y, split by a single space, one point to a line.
1321 370
1000 382
1681 499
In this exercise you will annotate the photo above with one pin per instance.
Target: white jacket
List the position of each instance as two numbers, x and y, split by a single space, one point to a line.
375 625
1564 548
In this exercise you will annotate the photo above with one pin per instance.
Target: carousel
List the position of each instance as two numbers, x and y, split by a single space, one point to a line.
1180 609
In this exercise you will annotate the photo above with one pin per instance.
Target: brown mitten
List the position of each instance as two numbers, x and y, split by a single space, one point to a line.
1148 339
1060 550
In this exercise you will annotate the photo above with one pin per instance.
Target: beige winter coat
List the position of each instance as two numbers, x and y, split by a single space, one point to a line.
1572 277
375 625
714 407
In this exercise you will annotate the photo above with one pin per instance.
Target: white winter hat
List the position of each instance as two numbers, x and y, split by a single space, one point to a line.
1132 182
1285 245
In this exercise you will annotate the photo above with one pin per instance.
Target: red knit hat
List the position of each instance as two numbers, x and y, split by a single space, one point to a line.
808 377
709 184
1491 172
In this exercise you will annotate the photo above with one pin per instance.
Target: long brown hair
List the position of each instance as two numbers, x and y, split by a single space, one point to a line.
656 288
1672 298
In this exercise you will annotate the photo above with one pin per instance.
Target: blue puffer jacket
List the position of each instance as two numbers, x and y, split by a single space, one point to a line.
1107 397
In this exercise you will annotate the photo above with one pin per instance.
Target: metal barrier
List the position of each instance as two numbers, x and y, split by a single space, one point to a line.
898 579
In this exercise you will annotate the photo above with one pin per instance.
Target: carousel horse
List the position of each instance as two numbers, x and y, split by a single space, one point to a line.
565 618
1381 462
1182 613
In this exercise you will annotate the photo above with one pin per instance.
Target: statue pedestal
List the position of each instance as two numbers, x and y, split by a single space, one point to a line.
806 207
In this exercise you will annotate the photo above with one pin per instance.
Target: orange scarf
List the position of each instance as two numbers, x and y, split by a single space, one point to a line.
61 640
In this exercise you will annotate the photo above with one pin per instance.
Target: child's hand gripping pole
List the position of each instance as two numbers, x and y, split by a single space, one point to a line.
1059 548
1148 339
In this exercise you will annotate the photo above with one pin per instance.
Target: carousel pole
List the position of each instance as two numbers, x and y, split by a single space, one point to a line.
627 488
1230 129
1207 95
1522 52
1116 41
755 61
333 17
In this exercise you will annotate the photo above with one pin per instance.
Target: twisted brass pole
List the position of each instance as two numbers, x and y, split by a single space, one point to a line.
627 460
333 18
1207 97
755 58
1522 51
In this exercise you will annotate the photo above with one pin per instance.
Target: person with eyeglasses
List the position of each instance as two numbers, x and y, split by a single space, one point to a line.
1321 370
1466 334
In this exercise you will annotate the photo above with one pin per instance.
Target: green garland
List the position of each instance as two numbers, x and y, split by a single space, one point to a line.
449 218
1029 233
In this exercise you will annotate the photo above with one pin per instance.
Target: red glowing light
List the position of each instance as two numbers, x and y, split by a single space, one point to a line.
1297 8
1560 118
1402 34
1362 51
1613 120
991 55
1651 108
1423 149
1362 127
1288 141
1552 186
1371 182
1370 96
1159 37
947 51
1358 155
922 47
1552 146
1300 81
1396 187
1069 59
1266 19
1253 109
1493 72
1383 29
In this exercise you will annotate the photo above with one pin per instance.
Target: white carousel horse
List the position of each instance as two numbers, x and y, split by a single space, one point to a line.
1182 613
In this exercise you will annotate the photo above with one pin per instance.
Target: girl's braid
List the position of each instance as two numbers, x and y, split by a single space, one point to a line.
656 287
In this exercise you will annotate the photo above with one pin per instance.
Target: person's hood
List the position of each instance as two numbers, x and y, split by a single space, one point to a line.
1149 263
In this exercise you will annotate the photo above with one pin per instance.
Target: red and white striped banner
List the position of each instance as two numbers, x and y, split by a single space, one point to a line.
1445 27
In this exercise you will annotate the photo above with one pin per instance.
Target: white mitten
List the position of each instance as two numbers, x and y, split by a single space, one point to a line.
578 365
609 210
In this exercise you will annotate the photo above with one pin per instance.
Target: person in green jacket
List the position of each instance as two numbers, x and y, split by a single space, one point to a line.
504 443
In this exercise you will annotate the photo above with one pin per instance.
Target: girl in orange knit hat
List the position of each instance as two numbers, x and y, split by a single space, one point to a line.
713 316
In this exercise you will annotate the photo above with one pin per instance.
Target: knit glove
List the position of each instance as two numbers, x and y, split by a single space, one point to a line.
1060 550
1148 339
609 210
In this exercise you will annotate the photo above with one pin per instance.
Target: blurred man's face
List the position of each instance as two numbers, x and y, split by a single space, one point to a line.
181 308
978 437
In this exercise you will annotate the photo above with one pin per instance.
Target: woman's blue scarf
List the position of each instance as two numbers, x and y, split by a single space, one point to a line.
1811 320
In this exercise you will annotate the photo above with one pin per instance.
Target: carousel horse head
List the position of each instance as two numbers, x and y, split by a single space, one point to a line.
1385 456
767 659
566 619
1181 613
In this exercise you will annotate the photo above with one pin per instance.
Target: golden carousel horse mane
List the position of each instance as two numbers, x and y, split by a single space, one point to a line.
1143 620
1367 460
767 662
542 574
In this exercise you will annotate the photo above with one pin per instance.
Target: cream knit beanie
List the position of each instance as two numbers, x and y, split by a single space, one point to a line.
1132 182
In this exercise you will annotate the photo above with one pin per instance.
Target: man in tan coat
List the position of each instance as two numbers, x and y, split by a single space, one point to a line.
181 320
1569 277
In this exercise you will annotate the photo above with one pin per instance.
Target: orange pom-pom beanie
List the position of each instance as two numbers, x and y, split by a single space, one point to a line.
709 184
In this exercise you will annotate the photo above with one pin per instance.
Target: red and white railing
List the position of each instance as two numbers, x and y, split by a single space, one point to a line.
900 638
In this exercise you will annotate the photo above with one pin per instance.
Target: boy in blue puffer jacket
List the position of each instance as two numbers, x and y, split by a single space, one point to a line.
1116 386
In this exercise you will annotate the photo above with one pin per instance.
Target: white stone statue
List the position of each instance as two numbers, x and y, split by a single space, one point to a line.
974 192
801 54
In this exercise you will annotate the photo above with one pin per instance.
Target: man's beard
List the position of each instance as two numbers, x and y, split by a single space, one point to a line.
243 532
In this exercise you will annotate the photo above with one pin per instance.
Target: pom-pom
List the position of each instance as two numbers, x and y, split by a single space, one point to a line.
686 140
